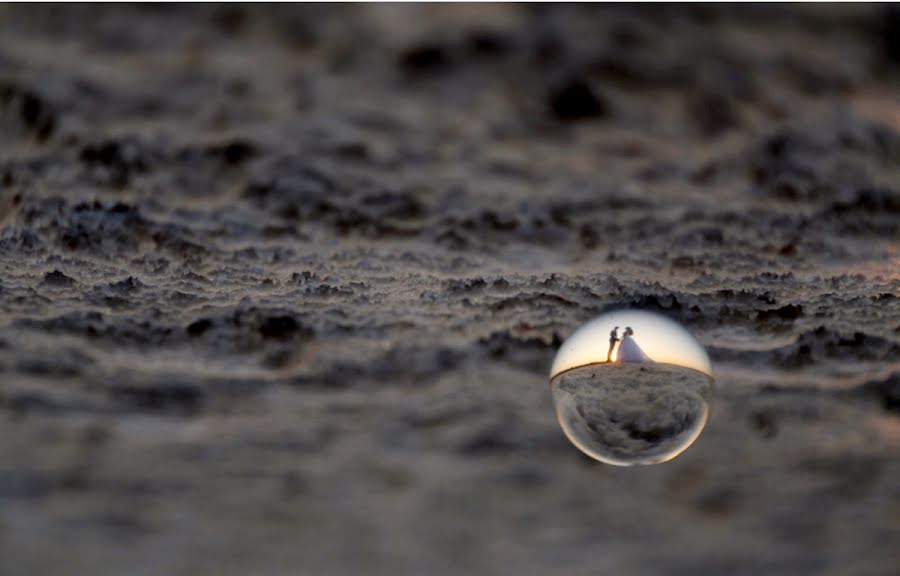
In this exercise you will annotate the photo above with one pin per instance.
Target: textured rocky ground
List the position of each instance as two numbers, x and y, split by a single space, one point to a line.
280 287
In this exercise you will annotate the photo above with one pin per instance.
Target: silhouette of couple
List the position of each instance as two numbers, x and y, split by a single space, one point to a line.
629 351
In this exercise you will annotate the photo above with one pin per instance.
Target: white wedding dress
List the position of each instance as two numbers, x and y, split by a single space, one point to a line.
630 352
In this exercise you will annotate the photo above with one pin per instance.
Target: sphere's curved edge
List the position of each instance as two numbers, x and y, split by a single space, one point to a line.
574 441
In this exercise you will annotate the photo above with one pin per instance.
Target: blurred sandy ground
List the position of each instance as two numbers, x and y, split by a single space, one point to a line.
280 285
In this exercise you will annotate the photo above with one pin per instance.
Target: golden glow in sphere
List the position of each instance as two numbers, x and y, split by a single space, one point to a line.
632 387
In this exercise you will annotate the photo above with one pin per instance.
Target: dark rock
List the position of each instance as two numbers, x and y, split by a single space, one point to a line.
279 327
488 43
127 286
588 236
890 32
116 294
426 58
304 277
96 326
199 327
353 150
57 278
870 211
235 152
887 391
467 285
877 200
784 165
170 397
789 249
121 157
327 290
35 113
303 193
788 312
574 99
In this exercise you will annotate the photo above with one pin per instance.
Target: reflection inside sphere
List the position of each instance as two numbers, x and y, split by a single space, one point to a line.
631 387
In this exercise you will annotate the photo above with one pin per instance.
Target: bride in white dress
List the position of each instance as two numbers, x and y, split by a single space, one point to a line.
629 351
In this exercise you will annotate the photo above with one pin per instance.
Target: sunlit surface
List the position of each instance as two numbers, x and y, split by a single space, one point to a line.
632 388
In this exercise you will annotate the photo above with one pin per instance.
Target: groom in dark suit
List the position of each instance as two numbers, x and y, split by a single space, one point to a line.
613 338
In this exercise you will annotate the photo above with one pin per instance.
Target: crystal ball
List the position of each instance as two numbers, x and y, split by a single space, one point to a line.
631 387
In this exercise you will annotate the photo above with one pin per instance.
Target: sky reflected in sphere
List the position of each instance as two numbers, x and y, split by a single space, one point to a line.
663 340
631 387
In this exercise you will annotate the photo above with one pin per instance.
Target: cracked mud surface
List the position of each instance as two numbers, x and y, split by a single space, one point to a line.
280 287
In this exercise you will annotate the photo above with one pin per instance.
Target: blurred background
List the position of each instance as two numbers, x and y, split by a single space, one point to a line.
280 286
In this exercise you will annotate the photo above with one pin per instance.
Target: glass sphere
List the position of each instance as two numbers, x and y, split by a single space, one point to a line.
631 387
